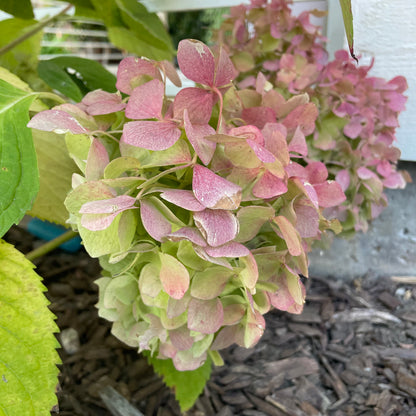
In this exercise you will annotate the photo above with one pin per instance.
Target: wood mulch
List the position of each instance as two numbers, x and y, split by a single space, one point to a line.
351 352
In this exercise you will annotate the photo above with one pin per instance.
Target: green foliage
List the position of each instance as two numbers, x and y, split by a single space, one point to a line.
28 355
22 60
348 23
55 171
187 385
21 8
89 75
19 182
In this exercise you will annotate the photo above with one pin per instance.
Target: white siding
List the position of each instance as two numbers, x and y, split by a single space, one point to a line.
386 29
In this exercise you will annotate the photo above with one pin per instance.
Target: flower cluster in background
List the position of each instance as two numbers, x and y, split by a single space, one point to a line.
196 206
357 113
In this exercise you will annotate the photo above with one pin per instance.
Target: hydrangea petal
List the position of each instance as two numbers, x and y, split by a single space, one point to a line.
261 152
97 161
98 222
57 121
100 102
174 276
196 135
154 222
205 316
182 198
196 61
151 135
131 72
231 249
269 186
197 102
330 194
213 191
108 206
217 226
225 71
290 235
146 101
190 234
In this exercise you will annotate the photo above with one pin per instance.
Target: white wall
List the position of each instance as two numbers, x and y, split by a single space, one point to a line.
386 29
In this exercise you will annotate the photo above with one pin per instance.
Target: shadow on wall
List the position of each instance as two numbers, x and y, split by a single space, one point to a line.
387 249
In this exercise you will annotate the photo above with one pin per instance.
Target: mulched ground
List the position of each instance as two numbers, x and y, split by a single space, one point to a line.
351 352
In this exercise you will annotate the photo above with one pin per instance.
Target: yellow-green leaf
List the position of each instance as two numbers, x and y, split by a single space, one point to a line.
28 357
55 171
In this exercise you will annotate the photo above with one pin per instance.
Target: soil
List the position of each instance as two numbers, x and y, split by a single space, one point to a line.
351 352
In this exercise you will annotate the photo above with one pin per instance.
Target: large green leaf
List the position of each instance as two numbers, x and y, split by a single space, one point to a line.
28 356
147 26
187 385
55 171
21 8
19 181
125 39
90 75
22 60
348 23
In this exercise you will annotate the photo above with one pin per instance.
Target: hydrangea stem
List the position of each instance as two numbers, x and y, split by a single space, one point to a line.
51 245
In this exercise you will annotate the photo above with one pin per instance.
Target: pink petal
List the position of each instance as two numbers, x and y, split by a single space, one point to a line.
261 152
307 220
153 221
151 135
146 101
57 121
205 316
217 226
188 233
171 72
364 173
330 194
181 338
298 143
269 186
343 178
185 361
197 102
97 161
131 72
395 181
100 102
182 198
303 116
248 132
396 101
98 222
231 249
290 235
353 128
316 172
225 71
226 337
196 135
259 116
108 206
196 61
213 191
174 276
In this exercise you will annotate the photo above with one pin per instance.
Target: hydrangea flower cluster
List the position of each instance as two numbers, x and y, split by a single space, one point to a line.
358 114
195 206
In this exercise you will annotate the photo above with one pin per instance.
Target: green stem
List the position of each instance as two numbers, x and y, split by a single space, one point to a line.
51 96
51 245
36 28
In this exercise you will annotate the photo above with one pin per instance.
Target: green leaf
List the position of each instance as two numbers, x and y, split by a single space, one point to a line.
188 385
147 26
14 80
22 60
55 171
21 8
90 75
108 11
348 24
28 354
125 39
19 181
